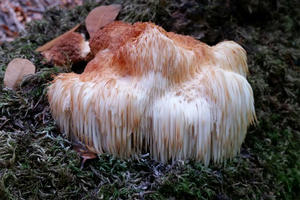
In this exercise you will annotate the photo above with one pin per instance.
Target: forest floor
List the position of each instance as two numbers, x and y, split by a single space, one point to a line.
37 161
14 14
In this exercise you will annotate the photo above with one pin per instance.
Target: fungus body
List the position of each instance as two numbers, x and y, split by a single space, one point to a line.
148 90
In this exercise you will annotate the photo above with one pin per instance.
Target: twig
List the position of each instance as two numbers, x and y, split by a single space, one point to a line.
4 123
12 13
39 5
49 2
34 10
2 36
141 194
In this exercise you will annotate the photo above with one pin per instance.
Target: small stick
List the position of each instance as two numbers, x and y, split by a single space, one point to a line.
4 123
12 13
41 7
34 9
50 44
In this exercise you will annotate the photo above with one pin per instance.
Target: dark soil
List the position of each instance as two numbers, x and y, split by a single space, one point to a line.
37 162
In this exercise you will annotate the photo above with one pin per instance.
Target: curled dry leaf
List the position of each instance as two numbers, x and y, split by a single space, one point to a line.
83 152
56 40
16 70
100 17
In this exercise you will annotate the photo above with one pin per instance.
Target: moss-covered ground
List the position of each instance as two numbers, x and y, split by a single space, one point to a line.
37 162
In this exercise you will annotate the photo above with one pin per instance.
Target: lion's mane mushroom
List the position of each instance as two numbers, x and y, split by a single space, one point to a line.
156 91
70 47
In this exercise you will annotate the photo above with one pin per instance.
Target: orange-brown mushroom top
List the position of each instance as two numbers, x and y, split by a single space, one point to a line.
129 49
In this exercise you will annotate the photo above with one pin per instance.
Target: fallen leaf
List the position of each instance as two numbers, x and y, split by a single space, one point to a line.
85 157
9 32
83 152
53 42
89 155
100 17
16 70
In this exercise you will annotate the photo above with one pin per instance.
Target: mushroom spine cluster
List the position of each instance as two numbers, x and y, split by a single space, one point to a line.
148 90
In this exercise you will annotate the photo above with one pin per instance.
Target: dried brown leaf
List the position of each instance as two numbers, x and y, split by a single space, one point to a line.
53 42
16 70
100 17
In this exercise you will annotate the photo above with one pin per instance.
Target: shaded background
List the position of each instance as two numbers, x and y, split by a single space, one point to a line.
14 14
